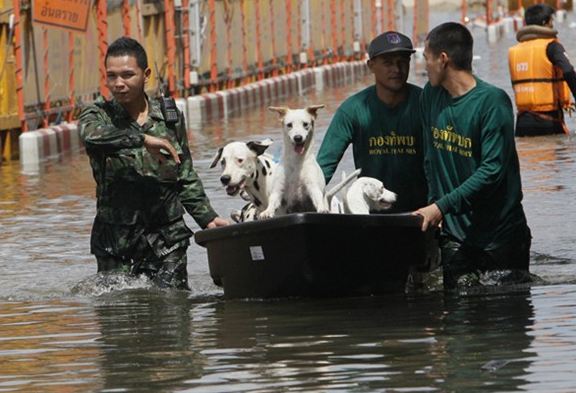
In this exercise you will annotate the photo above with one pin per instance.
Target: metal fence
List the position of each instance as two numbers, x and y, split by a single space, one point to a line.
194 46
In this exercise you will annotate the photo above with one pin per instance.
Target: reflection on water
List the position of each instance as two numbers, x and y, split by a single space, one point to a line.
61 329
152 334
47 347
151 341
375 343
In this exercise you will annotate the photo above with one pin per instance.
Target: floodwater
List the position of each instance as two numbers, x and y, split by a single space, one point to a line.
64 329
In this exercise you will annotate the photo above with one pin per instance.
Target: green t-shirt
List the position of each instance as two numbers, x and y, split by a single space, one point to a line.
386 144
472 165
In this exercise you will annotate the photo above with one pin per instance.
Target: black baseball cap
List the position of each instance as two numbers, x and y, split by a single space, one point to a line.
390 42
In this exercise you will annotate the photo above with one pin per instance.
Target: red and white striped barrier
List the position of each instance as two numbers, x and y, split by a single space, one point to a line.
335 74
38 145
495 31
223 103
306 81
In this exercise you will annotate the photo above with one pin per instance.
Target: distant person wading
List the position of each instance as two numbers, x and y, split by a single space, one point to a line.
542 76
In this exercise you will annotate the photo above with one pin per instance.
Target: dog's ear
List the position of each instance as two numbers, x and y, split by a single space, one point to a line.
281 110
216 157
259 147
313 109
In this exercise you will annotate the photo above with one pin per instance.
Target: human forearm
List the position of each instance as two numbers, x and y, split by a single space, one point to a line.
570 78
328 160
334 144
196 202
428 174
557 55
192 194
431 216
462 198
201 210
99 134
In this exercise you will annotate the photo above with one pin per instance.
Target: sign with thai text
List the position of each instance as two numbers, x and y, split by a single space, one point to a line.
67 14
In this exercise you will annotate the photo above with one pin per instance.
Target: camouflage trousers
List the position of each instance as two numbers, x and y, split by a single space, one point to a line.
458 259
166 271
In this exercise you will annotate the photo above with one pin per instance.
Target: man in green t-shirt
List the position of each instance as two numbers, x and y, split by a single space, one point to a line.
471 163
382 124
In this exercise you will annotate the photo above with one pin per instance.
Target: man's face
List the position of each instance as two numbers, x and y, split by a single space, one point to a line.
125 78
434 66
391 70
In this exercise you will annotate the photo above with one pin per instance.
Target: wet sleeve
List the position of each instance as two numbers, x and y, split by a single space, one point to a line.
570 78
497 152
335 142
557 56
99 134
424 110
192 193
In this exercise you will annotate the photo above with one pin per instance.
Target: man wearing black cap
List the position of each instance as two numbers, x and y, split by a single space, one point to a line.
382 124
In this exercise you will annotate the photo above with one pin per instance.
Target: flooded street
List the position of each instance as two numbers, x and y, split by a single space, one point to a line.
63 330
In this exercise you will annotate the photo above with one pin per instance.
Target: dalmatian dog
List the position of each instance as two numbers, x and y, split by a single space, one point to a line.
246 170
247 213
299 183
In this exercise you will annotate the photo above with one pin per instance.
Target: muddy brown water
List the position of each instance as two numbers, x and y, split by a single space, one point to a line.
63 329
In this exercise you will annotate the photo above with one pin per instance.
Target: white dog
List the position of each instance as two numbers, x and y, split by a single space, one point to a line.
298 184
250 213
247 170
364 195
368 194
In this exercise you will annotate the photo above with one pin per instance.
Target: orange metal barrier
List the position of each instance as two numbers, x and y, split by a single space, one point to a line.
194 46
515 5
420 22
490 11
10 82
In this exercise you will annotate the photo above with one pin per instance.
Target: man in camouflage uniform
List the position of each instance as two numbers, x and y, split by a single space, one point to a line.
144 176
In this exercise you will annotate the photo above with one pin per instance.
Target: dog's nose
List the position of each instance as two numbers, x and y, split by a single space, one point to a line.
298 139
225 179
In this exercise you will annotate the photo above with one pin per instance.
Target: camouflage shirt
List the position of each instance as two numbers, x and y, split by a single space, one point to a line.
135 192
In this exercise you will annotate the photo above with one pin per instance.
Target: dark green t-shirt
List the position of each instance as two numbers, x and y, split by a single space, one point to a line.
472 165
386 144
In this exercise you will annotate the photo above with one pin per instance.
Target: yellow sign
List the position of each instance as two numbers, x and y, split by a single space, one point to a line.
68 14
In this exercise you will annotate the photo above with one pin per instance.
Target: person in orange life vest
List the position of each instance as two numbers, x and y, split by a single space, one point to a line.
542 76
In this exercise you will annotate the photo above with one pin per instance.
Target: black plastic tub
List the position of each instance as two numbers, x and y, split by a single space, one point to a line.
313 254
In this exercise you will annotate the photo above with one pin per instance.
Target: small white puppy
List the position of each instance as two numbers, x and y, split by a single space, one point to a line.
368 194
298 184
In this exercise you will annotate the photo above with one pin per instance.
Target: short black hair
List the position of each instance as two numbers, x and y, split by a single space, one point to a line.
454 39
538 14
127 46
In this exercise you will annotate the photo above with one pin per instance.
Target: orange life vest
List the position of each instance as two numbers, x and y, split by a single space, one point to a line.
538 85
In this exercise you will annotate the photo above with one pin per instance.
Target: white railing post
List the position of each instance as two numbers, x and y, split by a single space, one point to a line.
305 30
196 37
